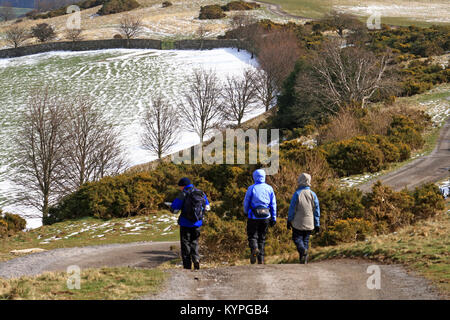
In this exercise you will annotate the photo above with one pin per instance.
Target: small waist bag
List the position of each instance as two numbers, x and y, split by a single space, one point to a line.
261 212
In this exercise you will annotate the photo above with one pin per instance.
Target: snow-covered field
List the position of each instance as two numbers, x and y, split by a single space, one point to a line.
120 80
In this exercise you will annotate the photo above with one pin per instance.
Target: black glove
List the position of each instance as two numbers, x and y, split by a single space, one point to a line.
272 223
316 229
289 225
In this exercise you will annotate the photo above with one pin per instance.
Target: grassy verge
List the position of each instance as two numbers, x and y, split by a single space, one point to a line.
95 284
423 248
160 226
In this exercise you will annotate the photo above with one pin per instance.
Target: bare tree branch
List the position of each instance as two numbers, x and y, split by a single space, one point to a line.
202 103
161 125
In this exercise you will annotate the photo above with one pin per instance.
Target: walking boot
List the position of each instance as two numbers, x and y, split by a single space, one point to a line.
196 265
304 257
260 259
253 256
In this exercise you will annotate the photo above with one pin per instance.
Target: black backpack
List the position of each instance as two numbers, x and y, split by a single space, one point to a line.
194 204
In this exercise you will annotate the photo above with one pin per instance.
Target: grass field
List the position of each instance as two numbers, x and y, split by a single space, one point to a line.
399 12
18 11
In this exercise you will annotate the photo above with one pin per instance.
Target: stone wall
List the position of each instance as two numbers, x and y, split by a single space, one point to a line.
117 43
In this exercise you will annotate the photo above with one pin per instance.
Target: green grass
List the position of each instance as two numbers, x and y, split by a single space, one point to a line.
95 284
318 8
85 232
19 11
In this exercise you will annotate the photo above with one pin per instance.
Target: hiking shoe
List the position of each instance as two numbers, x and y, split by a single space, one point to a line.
253 256
196 265
260 260
304 258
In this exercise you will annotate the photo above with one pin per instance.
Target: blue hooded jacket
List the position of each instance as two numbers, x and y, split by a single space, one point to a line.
260 195
177 205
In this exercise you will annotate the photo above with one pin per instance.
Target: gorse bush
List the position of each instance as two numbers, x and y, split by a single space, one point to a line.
116 6
211 12
121 196
239 6
10 224
350 230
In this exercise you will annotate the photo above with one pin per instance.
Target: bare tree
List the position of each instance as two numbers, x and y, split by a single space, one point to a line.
130 27
278 51
341 21
40 146
346 76
7 11
239 96
202 103
201 33
161 125
74 35
246 29
92 146
266 88
16 36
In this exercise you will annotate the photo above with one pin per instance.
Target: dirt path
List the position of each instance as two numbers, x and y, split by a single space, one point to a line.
332 279
430 168
138 254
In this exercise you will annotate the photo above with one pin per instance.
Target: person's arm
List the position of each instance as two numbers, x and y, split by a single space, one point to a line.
177 204
316 211
247 200
294 201
273 206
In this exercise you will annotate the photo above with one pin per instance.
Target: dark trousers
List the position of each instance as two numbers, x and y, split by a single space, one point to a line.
301 239
189 245
256 233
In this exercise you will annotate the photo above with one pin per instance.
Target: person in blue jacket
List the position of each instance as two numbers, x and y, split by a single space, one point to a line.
303 216
189 222
260 205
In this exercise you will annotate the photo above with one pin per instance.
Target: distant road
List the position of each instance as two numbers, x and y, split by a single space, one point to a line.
430 168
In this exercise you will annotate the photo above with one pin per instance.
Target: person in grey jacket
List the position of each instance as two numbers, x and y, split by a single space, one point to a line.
303 216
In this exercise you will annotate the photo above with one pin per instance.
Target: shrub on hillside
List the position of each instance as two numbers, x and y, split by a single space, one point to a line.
112 197
211 12
43 32
116 6
10 224
405 130
386 209
349 230
240 5
354 156
427 201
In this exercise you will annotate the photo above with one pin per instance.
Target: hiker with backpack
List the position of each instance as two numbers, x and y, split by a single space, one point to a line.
303 216
261 208
192 203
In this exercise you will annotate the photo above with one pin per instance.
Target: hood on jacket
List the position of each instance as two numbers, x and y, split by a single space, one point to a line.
259 176
304 180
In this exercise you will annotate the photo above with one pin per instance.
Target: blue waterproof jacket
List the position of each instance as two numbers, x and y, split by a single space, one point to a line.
260 195
177 205
294 201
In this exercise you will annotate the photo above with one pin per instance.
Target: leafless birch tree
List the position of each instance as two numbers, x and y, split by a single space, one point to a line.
266 88
202 103
239 96
93 148
161 125
40 146
347 76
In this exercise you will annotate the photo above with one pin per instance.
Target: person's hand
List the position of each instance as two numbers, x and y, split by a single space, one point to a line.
316 229
272 223
289 225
